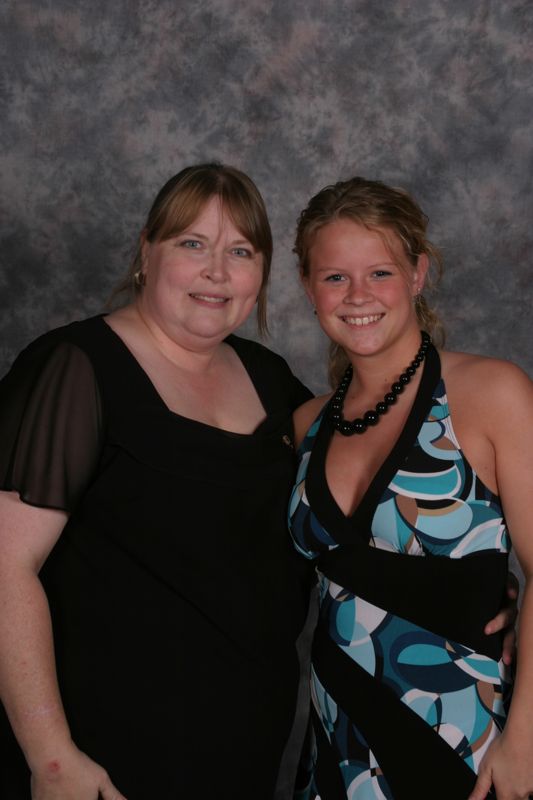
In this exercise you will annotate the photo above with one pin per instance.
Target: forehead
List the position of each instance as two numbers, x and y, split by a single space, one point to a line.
213 213
346 237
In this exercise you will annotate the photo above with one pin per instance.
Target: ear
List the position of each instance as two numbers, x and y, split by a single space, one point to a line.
419 273
144 247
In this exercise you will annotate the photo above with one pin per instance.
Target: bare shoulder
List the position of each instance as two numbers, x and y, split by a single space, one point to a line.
491 383
306 414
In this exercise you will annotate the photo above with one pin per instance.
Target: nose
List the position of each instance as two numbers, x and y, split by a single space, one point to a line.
358 293
215 268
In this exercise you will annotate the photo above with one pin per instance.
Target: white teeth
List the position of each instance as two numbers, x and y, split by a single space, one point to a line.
209 299
361 321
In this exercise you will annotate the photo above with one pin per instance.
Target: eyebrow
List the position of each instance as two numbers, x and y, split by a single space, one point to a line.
192 233
206 238
370 266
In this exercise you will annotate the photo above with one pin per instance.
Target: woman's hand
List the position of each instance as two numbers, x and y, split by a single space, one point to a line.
509 768
72 775
505 619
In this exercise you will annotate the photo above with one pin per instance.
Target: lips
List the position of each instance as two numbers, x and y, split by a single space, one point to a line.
208 298
361 322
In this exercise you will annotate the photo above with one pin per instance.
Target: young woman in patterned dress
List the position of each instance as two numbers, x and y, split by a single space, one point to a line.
412 477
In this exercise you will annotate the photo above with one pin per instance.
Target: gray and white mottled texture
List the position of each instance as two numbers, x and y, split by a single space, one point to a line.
101 102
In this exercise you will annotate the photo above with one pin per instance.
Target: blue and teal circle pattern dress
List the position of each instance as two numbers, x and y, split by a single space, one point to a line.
408 692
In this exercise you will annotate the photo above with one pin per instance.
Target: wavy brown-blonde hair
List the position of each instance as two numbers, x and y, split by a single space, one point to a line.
380 208
181 200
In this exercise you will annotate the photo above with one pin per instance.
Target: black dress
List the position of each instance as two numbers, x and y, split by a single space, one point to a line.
174 593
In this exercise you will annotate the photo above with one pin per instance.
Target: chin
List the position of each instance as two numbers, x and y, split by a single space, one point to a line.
361 338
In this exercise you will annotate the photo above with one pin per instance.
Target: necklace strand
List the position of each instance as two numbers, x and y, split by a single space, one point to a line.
373 415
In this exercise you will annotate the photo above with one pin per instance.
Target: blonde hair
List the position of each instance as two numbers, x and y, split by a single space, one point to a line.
381 208
180 201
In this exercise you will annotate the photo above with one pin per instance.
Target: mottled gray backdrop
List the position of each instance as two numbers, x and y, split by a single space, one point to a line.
102 101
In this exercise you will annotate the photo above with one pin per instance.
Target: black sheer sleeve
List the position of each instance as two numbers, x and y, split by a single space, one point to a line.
50 424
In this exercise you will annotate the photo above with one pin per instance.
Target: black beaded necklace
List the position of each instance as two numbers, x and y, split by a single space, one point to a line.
372 417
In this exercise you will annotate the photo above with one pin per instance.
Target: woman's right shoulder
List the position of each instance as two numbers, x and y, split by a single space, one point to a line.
73 333
61 355
305 415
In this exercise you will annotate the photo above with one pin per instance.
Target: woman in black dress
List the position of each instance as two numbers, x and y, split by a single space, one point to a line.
146 459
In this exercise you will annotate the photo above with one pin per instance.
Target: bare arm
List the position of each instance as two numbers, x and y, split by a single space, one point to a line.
305 415
508 763
28 683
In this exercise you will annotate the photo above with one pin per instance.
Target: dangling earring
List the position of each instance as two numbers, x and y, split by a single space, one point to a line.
139 278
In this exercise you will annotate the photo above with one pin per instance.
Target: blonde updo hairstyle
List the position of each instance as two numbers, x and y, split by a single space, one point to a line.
182 199
379 208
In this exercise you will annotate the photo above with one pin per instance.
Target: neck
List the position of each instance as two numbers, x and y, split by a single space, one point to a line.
373 414
377 371
197 357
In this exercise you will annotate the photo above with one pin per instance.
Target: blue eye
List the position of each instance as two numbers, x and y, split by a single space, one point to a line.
190 244
381 273
242 252
335 278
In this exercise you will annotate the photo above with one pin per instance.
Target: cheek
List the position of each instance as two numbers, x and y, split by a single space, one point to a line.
326 310
315 291
166 283
162 267
326 296
250 282
406 295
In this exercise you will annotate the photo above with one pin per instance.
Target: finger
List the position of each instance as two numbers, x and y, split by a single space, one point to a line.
109 792
509 647
512 586
512 592
482 787
503 619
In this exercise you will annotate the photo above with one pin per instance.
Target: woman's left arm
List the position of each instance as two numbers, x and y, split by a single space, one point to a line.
508 763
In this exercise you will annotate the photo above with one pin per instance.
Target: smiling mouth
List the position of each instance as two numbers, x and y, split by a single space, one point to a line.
208 298
361 322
